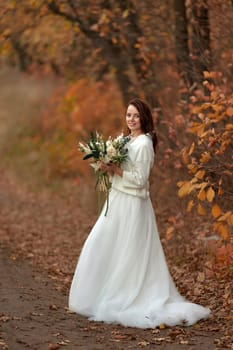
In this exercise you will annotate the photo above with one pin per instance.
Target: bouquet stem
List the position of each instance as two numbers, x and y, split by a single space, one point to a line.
103 185
107 184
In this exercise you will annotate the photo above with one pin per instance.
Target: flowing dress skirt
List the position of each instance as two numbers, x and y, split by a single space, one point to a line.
122 275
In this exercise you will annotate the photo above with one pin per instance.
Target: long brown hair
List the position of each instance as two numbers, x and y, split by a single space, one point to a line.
146 119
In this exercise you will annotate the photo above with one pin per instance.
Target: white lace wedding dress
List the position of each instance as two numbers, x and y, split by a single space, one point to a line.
122 275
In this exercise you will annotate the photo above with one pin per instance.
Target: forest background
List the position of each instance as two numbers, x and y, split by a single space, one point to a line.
93 56
177 55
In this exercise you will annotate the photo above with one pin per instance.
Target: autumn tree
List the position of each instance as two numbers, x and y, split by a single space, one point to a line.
209 157
200 38
115 37
182 41
192 39
31 36
114 29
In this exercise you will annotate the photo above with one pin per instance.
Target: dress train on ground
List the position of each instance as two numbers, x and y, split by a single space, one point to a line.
122 275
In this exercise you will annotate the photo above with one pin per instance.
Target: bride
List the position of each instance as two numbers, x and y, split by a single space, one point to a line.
122 276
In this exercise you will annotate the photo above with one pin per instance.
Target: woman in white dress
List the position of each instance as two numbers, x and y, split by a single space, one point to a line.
122 276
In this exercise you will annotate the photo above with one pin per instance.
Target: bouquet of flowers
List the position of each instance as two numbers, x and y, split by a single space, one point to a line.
104 151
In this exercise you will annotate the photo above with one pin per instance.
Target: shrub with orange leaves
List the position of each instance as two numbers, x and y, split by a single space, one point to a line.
209 158
85 106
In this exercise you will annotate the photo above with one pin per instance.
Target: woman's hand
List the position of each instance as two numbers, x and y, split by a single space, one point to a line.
106 168
111 169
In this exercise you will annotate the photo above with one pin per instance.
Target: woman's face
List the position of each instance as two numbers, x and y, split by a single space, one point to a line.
133 120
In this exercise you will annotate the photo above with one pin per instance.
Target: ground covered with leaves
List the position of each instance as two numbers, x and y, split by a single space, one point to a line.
41 237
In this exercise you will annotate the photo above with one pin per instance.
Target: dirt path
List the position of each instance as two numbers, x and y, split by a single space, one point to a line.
34 315
33 300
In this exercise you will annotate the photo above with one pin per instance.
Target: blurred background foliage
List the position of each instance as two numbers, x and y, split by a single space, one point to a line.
177 55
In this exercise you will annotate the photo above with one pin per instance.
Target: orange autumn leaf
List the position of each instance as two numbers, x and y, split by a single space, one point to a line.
220 191
214 95
180 183
200 174
201 130
185 189
190 206
201 210
169 232
208 75
193 168
216 210
229 111
205 157
225 216
230 220
229 127
210 194
223 231
201 195
192 148
195 109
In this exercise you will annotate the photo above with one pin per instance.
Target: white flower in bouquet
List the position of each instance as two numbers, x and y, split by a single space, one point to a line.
84 148
96 166
111 151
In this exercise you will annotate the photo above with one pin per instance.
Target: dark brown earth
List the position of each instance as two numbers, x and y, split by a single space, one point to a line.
34 315
34 284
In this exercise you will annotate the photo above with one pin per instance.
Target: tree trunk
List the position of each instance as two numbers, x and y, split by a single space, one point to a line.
200 39
147 83
23 58
181 41
120 60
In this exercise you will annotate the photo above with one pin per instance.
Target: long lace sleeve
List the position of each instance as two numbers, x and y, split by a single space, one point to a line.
138 174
